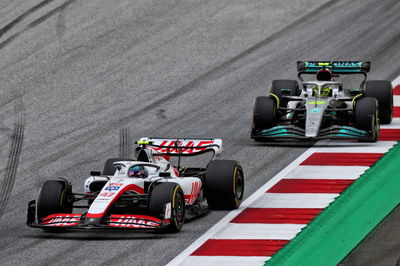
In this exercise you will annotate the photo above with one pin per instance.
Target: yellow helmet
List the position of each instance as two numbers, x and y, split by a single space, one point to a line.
322 91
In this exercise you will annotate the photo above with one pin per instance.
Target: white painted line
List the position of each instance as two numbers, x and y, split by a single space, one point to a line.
224 221
224 260
259 231
395 124
184 257
295 200
396 81
358 147
326 172
396 100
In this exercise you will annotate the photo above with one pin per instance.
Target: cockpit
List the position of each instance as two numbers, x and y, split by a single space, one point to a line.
136 169
322 88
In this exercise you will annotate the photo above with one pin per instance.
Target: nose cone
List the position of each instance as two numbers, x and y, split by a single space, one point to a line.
92 221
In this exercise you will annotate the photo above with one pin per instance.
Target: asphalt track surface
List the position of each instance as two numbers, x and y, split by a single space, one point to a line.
74 74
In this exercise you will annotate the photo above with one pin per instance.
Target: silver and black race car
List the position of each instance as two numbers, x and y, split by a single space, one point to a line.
324 108
147 193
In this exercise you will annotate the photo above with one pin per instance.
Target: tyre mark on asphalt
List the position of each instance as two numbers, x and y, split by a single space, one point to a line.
13 159
35 22
213 73
18 19
124 145
49 14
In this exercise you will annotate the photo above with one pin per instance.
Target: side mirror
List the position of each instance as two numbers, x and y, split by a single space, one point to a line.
165 174
95 173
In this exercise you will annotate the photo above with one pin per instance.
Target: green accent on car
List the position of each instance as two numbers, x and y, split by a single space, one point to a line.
277 100
317 102
352 131
349 219
274 132
353 102
145 142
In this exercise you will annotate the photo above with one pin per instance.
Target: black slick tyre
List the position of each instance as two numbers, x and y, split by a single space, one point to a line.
109 168
264 114
382 90
163 194
52 199
224 184
366 116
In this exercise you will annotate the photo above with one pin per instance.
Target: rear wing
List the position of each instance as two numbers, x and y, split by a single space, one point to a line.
181 146
337 67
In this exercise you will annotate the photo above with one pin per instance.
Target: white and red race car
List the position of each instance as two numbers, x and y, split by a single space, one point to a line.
149 193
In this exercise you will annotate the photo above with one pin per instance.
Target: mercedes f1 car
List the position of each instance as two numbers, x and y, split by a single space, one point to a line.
149 193
324 108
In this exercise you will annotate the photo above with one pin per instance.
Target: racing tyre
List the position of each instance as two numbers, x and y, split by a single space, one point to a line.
109 168
162 194
264 114
224 184
53 199
284 87
366 110
382 90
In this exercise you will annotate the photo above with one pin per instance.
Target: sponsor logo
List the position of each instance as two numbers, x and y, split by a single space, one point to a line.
62 221
132 222
110 188
107 194
315 110
189 147
167 214
196 187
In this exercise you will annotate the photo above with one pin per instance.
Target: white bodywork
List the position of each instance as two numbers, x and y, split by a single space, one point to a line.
158 162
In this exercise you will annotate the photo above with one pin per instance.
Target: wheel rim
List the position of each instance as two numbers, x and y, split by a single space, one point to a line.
239 185
179 209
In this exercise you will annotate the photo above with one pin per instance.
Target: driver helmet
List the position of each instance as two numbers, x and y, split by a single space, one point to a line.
138 171
324 75
325 91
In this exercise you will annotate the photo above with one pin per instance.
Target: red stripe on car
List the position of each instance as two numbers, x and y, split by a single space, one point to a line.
130 187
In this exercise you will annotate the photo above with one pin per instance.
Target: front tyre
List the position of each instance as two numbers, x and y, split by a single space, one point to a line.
382 90
264 114
163 194
53 198
224 184
366 116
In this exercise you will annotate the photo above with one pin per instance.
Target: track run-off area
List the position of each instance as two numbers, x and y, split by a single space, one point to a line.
80 81
276 213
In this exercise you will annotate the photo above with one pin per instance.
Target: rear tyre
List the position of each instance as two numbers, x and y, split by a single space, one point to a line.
366 116
224 184
382 90
109 168
162 194
285 87
52 199
264 114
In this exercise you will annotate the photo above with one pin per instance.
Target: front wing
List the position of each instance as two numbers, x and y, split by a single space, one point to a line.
294 132
79 221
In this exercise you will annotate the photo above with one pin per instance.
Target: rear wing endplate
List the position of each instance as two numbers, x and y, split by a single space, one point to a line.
181 146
